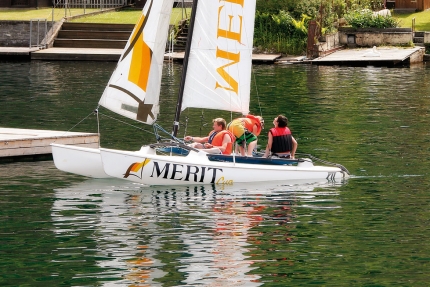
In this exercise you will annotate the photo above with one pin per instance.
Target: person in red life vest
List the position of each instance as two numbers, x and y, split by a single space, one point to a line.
246 130
219 140
281 142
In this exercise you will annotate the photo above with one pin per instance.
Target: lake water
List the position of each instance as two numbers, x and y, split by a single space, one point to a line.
58 229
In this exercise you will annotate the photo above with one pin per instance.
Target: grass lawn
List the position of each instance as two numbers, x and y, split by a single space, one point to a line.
422 20
125 16
42 13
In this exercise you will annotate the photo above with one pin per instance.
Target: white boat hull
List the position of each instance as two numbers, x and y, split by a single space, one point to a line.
78 160
146 167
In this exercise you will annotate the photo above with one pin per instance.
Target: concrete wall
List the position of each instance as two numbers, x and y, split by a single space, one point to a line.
17 33
375 37
427 37
327 43
418 56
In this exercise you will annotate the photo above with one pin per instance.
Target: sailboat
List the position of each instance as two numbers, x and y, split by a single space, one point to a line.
216 75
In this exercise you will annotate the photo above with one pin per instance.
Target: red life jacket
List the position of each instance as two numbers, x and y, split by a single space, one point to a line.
250 121
219 137
282 140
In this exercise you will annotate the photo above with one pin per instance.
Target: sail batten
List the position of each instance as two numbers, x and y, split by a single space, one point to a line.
134 88
219 72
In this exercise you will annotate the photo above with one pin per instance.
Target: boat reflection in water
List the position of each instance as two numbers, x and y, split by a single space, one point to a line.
194 235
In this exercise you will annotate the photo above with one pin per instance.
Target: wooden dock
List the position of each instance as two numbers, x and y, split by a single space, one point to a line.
256 58
10 53
113 55
77 54
382 56
26 144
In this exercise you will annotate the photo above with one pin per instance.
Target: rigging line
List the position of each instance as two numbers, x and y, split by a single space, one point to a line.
76 125
186 126
123 122
139 128
256 90
96 111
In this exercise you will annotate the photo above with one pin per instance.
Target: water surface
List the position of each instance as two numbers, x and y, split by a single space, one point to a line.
58 229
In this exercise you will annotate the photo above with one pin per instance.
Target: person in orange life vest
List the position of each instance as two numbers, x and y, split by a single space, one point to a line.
246 131
218 141
281 142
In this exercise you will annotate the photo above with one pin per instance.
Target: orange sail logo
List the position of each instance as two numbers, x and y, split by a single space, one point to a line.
135 167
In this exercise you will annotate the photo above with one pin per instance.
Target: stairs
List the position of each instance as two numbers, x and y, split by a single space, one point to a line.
89 35
181 37
418 39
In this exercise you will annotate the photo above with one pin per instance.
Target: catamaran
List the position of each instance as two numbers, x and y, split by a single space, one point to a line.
216 75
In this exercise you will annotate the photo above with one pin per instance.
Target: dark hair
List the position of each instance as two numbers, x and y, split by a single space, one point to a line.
282 121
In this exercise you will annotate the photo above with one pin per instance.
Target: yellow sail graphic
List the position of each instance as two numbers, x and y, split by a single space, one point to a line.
133 90
140 64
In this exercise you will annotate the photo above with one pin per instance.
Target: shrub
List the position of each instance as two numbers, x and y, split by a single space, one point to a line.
366 19
280 33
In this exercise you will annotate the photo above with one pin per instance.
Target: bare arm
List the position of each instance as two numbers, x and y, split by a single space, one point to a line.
196 139
293 152
269 145
225 141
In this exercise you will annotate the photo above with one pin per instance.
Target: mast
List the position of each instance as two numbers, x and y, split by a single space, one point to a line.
184 69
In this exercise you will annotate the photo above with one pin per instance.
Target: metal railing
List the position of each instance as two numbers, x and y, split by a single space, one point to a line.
90 4
35 25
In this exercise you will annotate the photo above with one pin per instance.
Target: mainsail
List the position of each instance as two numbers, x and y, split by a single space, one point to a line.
134 87
220 61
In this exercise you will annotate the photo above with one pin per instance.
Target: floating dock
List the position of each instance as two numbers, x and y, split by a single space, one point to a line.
256 58
113 55
77 54
382 56
26 144
9 53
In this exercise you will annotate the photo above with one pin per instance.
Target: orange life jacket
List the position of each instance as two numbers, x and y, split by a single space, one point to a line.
219 137
250 121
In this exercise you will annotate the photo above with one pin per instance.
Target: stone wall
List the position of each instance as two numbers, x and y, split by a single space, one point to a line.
5 3
25 3
17 33
365 37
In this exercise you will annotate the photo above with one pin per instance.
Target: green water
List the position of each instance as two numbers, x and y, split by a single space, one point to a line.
58 229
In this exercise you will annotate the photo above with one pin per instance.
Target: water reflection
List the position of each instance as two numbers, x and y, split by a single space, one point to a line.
188 236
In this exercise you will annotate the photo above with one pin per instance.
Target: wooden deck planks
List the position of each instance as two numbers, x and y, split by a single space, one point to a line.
256 58
77 54
386 54
23 142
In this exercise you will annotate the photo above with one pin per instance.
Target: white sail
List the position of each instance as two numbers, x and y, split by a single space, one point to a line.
134 87
219 68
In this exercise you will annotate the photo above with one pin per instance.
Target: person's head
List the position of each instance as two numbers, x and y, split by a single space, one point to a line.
219 124
280 121
261 121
